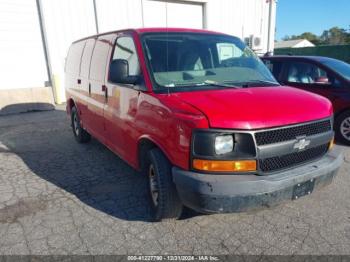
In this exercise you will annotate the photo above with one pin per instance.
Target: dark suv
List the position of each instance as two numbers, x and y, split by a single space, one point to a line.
322 75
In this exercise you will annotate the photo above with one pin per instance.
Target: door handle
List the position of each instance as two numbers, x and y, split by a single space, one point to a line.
79 81
89 88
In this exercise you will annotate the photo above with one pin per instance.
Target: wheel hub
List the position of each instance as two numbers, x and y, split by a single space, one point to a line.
345 128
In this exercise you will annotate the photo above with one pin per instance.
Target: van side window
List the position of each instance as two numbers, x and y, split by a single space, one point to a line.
125 49
86 58
73 58
99 60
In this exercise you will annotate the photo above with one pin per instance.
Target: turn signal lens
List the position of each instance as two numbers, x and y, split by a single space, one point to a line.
225 166
331 144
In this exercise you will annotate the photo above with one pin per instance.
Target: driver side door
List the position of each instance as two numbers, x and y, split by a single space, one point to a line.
121 107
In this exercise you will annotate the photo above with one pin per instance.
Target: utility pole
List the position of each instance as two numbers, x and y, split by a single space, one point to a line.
96 16
271 25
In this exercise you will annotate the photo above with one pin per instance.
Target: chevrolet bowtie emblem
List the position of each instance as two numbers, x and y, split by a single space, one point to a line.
302 144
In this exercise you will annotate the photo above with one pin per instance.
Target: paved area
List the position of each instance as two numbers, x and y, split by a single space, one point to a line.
59 197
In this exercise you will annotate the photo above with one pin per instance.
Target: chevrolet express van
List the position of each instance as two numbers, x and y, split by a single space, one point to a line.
201 116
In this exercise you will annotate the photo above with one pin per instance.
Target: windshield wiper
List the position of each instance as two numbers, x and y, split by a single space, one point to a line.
220 84
204 83
261 81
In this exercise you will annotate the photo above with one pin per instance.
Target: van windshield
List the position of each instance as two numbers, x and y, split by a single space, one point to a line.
193 60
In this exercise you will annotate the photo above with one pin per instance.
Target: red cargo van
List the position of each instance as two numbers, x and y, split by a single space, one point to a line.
202 117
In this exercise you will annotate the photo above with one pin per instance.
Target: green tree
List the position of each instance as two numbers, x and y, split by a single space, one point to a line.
307 35
334 36
292 37
311 37
348 36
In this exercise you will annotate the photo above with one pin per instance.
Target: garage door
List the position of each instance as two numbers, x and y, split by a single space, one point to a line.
163 14
22 62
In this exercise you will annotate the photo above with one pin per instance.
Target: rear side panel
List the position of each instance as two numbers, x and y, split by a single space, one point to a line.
97 92
72 72
84 87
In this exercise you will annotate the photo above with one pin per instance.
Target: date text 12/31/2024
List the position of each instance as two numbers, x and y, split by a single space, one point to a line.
173 258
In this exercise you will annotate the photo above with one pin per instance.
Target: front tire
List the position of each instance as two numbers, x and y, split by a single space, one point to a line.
342 128
79 133
164 200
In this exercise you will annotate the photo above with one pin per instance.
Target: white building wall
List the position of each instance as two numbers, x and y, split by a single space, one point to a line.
69 20
22 60
169 14
65 21
121 14
241 18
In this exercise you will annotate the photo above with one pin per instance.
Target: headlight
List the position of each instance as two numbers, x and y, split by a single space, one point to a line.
223 144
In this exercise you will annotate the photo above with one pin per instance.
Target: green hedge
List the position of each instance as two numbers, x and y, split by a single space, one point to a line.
341 52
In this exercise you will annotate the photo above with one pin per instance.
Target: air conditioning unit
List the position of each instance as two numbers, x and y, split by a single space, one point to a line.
254 42
247 41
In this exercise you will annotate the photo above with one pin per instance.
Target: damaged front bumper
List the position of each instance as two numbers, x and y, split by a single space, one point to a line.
213 193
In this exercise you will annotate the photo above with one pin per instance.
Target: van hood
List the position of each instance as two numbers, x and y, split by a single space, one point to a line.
257 107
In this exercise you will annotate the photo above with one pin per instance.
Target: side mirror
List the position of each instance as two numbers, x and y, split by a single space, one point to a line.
322 80
119 72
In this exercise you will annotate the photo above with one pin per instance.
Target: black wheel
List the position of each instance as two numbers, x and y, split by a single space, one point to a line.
342 128
164 200
79 133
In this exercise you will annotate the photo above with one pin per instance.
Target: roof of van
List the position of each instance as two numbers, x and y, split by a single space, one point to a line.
155 30
173 29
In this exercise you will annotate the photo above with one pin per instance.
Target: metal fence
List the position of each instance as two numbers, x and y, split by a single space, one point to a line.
341 52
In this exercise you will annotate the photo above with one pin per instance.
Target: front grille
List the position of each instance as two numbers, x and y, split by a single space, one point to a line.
290 133
293 159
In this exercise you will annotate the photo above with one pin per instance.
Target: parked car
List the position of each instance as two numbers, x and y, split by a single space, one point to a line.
202 117
321 75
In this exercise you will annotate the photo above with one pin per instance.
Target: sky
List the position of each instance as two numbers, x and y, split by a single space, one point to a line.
295 17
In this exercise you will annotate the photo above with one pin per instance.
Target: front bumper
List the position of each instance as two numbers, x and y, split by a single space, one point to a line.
234 193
